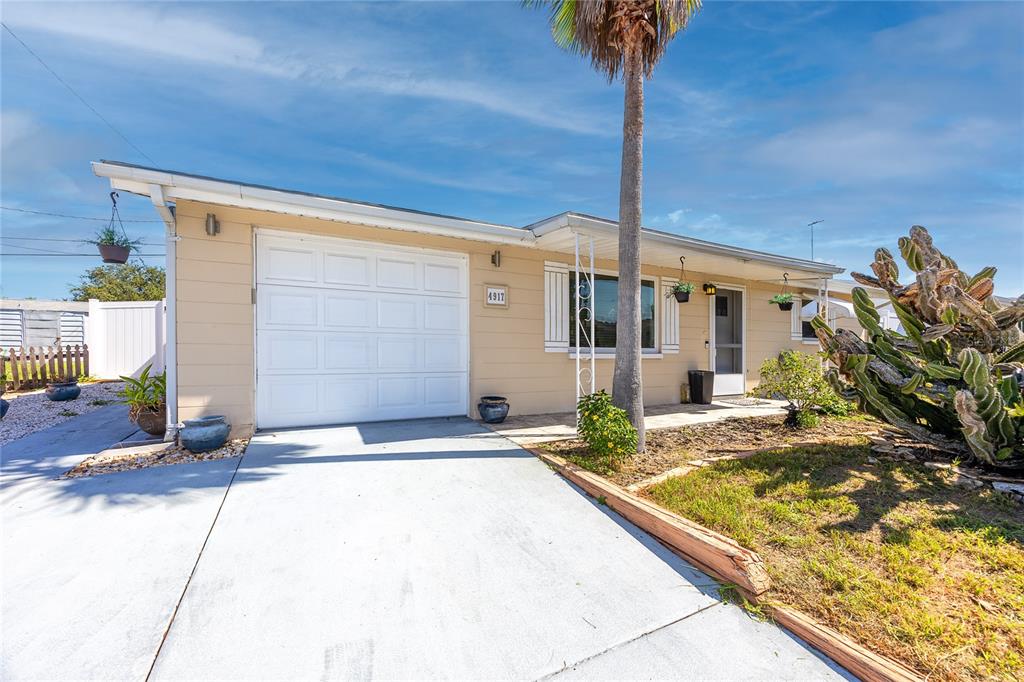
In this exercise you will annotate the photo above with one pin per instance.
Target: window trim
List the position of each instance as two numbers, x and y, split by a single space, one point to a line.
797 320
645 351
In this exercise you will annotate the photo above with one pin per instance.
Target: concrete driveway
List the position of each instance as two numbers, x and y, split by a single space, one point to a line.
417 550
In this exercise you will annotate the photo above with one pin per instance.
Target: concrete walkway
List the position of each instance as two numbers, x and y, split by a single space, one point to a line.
419 550
540 428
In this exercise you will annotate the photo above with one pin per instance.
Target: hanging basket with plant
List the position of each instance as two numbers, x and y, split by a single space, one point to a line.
113 243
784 299
682 289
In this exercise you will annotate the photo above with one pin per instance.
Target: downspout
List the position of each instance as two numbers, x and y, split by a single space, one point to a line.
156 195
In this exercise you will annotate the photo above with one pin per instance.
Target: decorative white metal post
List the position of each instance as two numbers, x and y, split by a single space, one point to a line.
585 294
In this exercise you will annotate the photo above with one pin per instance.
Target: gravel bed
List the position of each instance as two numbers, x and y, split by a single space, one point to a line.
33 411
115 460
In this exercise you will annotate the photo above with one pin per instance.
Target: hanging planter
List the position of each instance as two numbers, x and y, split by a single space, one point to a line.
783 299
114 246
682 289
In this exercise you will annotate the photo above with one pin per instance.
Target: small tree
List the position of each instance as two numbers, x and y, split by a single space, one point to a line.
797 378
129 282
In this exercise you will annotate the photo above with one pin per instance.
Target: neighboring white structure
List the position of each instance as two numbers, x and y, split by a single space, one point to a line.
125 336
35 323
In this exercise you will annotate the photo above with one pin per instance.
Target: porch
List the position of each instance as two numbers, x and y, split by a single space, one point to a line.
539 428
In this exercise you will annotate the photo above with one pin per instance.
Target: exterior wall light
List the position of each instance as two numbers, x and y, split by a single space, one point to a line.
710 289
496 259
212 225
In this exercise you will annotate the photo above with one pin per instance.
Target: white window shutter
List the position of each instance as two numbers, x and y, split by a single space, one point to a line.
556 307
669 318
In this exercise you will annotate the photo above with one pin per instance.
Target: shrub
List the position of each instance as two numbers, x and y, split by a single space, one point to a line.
797 378
605 428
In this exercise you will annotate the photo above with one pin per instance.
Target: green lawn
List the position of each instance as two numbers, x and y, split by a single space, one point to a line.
887 552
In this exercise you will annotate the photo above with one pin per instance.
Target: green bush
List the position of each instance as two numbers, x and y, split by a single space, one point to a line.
797 378
605 428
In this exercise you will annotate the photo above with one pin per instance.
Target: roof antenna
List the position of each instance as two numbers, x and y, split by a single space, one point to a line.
811 225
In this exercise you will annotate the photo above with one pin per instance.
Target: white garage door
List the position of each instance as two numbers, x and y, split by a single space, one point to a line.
356 331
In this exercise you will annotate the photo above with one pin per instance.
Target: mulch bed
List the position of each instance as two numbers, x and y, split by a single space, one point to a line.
113 461
669 448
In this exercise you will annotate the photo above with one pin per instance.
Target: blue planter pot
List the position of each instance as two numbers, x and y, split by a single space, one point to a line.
4 405
493 409
205 433
63 391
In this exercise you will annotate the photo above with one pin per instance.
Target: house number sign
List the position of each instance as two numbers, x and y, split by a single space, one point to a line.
496 296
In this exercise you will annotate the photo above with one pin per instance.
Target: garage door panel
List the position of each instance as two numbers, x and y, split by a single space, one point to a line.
398 313
442 278
290 264
353 353
348 309
398 273
399 354
347 269
354 331
282 351
444 314
444 353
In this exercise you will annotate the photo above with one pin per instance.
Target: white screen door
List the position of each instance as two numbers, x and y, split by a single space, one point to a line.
727 341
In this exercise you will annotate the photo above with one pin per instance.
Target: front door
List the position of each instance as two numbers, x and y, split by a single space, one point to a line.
727 326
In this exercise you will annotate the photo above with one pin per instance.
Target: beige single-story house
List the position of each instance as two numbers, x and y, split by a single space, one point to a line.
286 308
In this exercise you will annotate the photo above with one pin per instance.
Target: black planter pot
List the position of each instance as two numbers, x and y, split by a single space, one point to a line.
682 296
67 390
112 253
4 405
786 306
493 408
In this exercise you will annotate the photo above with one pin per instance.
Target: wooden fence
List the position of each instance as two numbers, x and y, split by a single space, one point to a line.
33 368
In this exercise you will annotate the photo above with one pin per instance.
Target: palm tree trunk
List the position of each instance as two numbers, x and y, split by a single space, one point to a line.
627 385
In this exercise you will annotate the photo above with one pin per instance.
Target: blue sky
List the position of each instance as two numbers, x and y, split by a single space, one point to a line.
761 118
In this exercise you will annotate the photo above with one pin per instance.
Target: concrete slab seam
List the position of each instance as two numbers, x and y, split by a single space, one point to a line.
568 666
192 573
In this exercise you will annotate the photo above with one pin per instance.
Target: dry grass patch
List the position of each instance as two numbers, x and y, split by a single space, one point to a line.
669 448
884 551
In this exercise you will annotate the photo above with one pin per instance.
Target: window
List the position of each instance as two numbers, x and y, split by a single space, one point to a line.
808 309
606 302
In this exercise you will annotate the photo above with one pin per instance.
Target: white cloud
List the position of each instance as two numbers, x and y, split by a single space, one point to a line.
179 32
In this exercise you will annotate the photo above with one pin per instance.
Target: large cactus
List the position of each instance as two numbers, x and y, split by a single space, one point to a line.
953 372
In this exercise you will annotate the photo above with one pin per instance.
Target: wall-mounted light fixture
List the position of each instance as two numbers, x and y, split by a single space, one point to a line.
496 259
212 225
710 289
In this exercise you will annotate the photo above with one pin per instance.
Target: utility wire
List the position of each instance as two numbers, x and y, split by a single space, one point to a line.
76 241
80 98
75 255
76 217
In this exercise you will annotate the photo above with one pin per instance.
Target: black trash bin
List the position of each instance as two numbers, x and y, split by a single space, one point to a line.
702 386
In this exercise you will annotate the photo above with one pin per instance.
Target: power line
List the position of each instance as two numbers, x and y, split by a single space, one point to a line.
80 98
76 241
75 255
76 217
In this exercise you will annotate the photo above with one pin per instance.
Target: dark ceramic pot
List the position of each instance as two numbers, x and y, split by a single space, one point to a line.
68 390
4 405
786 306
205 433
493 408
682 296
111 253
153 422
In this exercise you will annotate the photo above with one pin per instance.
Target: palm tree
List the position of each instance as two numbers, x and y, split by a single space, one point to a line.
627 38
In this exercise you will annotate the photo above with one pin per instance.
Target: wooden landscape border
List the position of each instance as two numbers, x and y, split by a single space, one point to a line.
726 560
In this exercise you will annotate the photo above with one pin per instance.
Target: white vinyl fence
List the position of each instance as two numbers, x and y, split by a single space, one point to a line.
125 336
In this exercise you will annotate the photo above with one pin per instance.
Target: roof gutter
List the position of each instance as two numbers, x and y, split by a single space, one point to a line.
176 186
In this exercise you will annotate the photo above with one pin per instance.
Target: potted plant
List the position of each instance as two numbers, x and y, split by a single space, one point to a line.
493 408
114 247
682 291
147 401
62 388
784 301
4 405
